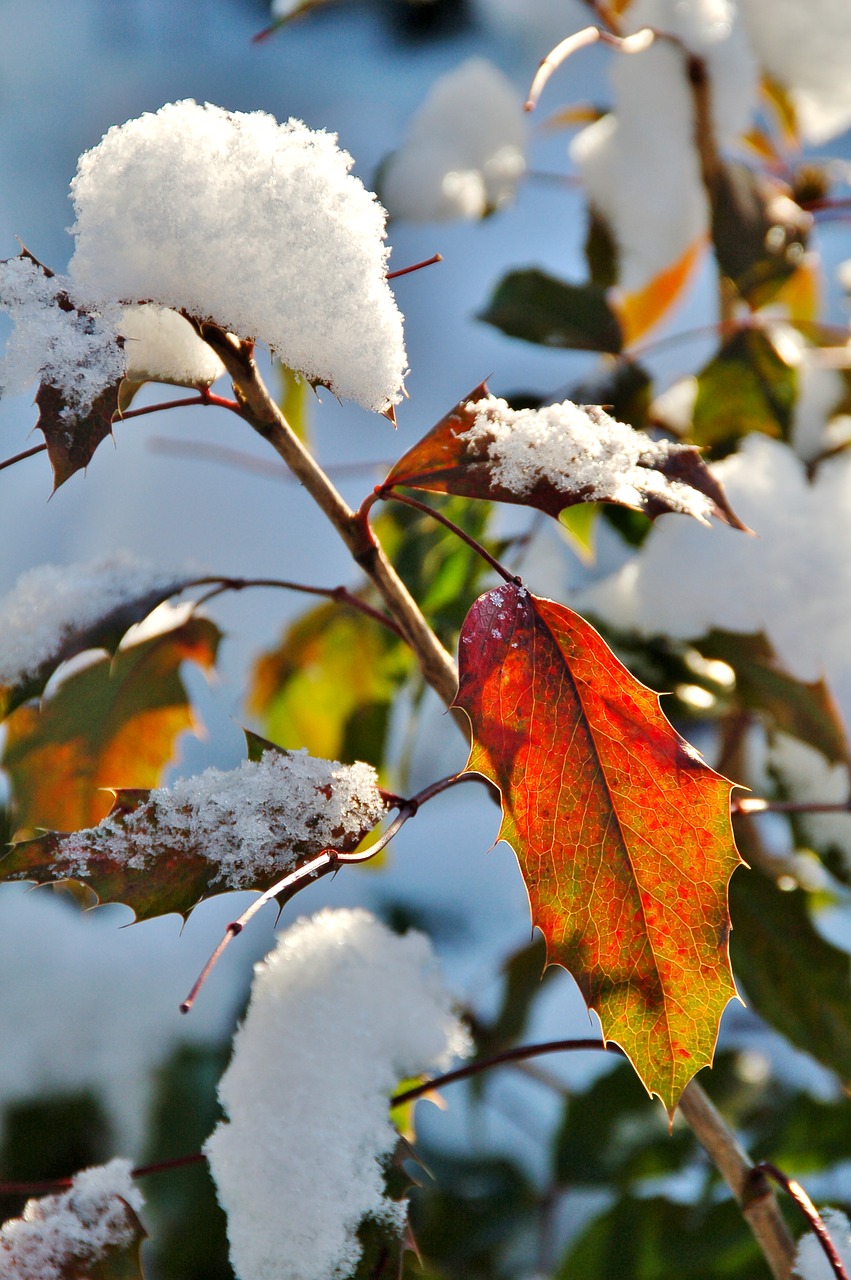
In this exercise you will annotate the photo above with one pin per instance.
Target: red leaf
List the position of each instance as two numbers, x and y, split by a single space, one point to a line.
71 436
621 831
457 457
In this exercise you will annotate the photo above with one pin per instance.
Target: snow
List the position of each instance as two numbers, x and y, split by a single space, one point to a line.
51 604
246 821
254 225
62 1233
340 1011
808 776
160 346
580 450
807 49
811 1262
465 149
792 581
639 163
77 351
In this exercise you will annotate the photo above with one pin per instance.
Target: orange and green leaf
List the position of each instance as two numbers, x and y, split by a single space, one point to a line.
621 830
113 724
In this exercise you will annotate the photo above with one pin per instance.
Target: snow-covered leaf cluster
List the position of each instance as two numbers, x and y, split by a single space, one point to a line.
340 1011
70 1233
245 823
465 149
255 226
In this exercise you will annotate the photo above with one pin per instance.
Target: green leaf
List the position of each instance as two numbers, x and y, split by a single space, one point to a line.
294 399
537 307
113 724
746 387
655 1239
759 239
795 980
330 685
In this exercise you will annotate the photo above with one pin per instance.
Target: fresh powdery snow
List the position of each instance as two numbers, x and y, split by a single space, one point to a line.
340 1011
811 1262
245 821
66 1234
160 346
578 450
254 225
52 603
465 149
76 351
792 581
639 163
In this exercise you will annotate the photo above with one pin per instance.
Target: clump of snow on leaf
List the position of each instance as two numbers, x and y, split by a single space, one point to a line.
63 1235
256 226
792 581
465 149
246 821
811 1262
51 603
581 449
161 346
806 48
640 163
340 1012
71 346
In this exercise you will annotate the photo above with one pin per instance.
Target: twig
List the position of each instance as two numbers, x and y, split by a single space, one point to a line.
417 266
19 457
265 417
757 1204
207 451
756 805
341 595
393 495
794 1189
635 43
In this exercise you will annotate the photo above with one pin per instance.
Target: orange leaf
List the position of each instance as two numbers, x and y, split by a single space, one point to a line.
621 831
640 310
113 724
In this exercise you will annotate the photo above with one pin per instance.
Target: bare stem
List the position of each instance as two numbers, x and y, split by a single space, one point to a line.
341 595
260 411
19 457
756 805
794 1189
393 495
417 266
205 397
757 1203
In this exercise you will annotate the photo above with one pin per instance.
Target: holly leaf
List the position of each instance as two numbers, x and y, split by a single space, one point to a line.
112 724
459 457
746 387
81 1242
105 632
539 308
621 831
71 434
156 853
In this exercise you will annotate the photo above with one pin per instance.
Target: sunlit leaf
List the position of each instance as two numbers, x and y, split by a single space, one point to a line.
537 307
455 457
622 832
641 309
295 398
746 387
113 724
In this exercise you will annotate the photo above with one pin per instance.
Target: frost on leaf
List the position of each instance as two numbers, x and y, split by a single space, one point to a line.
621 831
557 456
73 348
57 611
340 1012
465 150
163 850
255 226
78 1233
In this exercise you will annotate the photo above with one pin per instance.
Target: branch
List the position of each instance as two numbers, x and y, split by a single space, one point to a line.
262 413
757 1203
794 1189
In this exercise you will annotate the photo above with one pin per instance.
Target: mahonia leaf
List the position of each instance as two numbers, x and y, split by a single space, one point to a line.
539 308
463 455
112 724
72 434
105 632
165 850
621 830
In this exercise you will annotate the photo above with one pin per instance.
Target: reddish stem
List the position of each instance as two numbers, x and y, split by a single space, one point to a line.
754 805
19 457
205 396
390 494
794 1189
341 595
417 266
